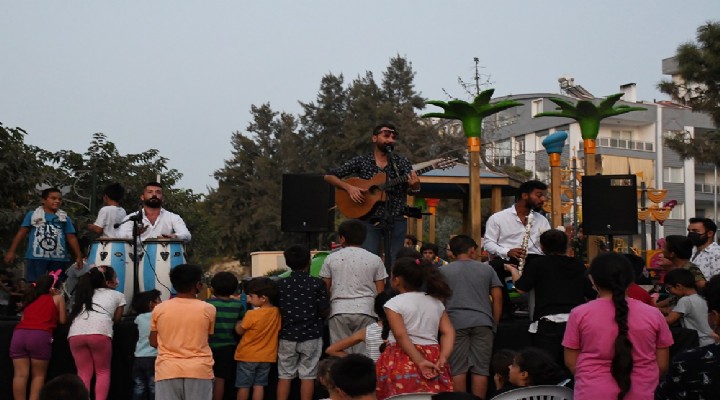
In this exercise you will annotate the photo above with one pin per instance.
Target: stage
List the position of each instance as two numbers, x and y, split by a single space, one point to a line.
511 334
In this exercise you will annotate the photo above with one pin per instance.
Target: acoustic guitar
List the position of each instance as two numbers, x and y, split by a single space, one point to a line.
376 190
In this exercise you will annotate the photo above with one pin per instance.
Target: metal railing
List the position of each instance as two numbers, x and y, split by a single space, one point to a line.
625 144
704 188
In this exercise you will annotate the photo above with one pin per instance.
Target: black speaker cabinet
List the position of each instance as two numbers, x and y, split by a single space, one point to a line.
609 205
307 204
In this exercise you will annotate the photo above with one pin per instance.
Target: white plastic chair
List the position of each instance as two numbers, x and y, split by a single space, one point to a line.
543 392
412 396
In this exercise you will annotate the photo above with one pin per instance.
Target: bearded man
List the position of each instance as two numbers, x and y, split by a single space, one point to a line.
157 222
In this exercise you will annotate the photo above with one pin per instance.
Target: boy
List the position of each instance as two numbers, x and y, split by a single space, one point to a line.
354 377
430 252
51 231
179 328
143 371
354 276
111 213
473 314
259 342
691 309
222 343
303 303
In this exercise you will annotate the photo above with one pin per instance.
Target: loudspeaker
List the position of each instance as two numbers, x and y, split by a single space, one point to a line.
609 205
307 204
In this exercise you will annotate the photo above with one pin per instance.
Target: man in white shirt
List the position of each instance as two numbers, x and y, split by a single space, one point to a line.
157 222
706 254
505 231
111 213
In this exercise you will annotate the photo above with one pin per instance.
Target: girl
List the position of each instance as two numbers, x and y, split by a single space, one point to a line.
532 367
31 344
143 372
96 306
616 345
374 335
414 360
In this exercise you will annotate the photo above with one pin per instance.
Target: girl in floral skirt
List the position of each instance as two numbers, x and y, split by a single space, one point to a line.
415 360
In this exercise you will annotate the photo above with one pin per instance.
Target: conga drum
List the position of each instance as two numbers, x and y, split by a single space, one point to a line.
116 253
160 256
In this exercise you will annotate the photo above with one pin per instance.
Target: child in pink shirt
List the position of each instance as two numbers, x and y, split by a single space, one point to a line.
615 345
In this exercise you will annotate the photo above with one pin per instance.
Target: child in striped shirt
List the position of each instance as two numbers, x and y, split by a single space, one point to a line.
224 342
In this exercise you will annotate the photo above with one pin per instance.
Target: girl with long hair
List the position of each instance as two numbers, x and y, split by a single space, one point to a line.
96 306
616 345
43 308
415 359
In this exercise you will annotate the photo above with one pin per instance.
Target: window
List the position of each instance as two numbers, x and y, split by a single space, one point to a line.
678 212
673 175
503 152
520 145
537 107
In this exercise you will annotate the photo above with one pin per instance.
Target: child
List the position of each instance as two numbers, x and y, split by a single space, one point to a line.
303 303
179 329
354 377
533 367
143 372
415 361
691 309
227 312
51 231
474 310
258 345
354 276
374 335
65 387
325 378
500 363
613 341
31 344
111 213
96 306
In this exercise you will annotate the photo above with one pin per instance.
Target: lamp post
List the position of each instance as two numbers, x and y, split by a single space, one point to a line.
554 146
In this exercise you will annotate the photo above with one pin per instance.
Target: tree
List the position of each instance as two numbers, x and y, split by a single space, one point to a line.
699 65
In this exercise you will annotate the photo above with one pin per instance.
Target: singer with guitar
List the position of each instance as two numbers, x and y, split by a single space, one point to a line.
505 232
365 167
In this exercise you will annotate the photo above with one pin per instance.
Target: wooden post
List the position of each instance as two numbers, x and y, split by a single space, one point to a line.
590 170
555 188
475 209
496 199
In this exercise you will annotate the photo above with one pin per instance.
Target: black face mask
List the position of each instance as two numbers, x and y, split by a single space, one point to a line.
697 239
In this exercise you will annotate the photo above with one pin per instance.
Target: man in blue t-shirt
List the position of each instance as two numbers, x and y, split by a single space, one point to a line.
51 232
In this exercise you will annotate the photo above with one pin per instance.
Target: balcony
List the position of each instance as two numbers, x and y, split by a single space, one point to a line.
704 188
625 144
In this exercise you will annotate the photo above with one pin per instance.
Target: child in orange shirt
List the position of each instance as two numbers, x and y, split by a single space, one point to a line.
258 345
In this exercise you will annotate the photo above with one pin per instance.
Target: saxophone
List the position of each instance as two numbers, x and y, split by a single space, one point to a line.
525 242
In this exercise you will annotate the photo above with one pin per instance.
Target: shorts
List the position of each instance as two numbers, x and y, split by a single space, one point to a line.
35 268
31 343
299 358
224 366
472 351
252 374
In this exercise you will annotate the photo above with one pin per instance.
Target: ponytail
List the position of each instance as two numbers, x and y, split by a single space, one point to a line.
613 272
379 307
85 290
37 289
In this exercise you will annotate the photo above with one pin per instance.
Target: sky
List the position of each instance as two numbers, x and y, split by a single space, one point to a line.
180 76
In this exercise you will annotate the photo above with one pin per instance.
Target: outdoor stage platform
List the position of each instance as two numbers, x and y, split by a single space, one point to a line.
511 334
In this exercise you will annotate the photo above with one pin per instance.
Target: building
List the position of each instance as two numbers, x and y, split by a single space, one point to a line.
629 143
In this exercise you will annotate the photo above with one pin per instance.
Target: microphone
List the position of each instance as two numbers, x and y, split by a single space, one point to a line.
388 148
134 218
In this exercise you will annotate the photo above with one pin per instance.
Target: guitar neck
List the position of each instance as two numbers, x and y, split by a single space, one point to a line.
404 178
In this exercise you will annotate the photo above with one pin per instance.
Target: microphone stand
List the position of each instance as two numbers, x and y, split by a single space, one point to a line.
387 224
137 222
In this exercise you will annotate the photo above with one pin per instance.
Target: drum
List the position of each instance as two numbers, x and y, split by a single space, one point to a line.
116 253
160 256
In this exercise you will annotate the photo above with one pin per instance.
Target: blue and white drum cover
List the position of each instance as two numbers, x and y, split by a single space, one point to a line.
160 256
116 253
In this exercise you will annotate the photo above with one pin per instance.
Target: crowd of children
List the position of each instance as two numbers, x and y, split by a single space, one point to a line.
430 330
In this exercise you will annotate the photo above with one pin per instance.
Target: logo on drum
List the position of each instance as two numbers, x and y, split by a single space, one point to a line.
103 255
119 254
164 255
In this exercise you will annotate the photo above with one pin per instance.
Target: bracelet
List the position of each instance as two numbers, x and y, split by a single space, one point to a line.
414 190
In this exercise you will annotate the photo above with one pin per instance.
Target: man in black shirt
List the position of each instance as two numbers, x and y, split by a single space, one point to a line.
366 167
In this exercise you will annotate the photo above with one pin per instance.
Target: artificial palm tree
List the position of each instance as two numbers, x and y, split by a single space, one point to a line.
588 116
472 115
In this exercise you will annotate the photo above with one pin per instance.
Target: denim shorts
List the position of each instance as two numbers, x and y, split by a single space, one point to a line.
252 374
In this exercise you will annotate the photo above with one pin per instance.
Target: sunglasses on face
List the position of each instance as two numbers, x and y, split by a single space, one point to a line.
388 132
